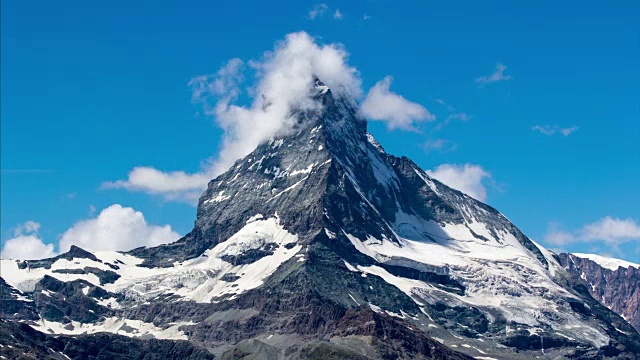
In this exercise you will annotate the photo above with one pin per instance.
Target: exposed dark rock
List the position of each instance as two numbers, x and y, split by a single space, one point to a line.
191 245
537 342
15 305
20 341
105 276
251 349
617 289
251 255
229 277
66 301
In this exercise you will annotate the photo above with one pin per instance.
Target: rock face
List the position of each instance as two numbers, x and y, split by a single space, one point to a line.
319 245
614 283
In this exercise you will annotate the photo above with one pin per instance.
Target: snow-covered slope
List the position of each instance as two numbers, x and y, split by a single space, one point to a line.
222 271
607 262
319 234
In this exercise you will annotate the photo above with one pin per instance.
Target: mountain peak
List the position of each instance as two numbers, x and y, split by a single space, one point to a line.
320 234
319 85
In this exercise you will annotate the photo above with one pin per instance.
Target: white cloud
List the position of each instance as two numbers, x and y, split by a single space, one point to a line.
497 75
468 178
366 17
174 185
399 113
557 236
116 228
26 244
28 247
551 130
337 14
225 83
317 11
178 185
281 81
283 78
612 231
29 227
442 145
461 116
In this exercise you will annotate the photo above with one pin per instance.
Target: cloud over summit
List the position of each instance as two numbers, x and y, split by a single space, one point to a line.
278 81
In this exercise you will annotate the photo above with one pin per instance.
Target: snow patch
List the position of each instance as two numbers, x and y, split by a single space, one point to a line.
199 279
307 170
218 198
607 262
115 325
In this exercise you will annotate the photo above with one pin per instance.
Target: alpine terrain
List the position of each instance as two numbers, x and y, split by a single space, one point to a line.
615 283
319 245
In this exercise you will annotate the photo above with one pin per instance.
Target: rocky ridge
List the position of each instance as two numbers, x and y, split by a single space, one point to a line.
615 286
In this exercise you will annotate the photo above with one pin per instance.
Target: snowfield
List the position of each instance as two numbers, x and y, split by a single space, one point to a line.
197 279
606 262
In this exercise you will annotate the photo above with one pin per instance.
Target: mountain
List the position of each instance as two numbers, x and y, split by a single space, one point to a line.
320 245
615 283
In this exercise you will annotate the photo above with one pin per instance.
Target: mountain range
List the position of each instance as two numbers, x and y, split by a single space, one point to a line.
320 245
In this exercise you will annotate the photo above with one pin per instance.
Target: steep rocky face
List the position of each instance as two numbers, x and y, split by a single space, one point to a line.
318 244
614 285
15 305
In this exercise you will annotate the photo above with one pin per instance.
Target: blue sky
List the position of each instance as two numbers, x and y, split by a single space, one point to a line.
93 90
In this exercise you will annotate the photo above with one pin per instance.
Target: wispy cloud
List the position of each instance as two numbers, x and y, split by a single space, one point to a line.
318 10
453 114
366 17
496 76
448 106
283 79
557 236
337 14
381 104
468 178
550 130
441 145
172 185
69 196
609 230
464 117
